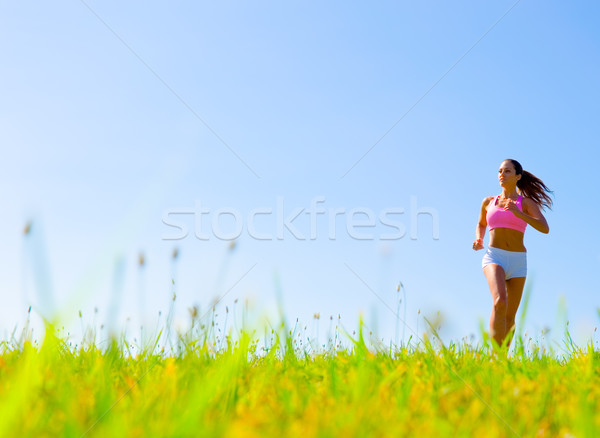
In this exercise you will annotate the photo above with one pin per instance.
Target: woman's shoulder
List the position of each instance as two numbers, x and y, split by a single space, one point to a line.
525 201
529 203
486 201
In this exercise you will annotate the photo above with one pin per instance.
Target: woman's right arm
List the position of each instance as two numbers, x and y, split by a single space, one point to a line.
481 224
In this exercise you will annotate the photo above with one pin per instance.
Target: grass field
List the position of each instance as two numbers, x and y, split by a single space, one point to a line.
205 386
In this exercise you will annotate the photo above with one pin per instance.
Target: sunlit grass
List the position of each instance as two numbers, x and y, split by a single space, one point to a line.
219 377
240 385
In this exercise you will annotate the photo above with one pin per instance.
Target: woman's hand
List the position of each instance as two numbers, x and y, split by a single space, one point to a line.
512 206
478 244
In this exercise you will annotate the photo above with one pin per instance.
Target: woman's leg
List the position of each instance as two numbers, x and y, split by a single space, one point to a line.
495 277
514 292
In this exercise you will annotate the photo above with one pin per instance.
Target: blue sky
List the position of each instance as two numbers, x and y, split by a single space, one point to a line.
242 106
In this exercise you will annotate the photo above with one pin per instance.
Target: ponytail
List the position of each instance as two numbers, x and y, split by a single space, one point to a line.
532 187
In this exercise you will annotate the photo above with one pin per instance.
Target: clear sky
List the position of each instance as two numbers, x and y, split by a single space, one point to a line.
118 117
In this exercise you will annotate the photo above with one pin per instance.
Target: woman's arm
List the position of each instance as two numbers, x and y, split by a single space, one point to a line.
531 214
481 224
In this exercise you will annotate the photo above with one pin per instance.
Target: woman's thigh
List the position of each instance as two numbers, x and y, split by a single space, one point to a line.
495 276
514 292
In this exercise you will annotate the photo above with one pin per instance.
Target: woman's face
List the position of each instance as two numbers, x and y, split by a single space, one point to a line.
507 175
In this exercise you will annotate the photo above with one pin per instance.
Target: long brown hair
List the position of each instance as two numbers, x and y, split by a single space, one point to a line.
531 186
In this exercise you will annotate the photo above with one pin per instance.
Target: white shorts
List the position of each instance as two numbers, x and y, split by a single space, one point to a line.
514 263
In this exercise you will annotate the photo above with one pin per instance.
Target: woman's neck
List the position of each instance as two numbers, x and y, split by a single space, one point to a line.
509 193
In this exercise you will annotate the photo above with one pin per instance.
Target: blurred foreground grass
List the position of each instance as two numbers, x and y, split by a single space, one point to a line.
242 390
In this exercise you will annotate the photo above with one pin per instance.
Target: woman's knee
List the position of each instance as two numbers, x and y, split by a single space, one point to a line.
500 303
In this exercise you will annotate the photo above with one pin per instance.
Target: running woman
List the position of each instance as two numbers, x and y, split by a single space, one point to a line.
505 261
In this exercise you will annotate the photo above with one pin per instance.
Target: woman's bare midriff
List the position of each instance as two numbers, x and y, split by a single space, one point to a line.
507 239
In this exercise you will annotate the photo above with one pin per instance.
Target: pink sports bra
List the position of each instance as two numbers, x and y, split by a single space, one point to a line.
499 218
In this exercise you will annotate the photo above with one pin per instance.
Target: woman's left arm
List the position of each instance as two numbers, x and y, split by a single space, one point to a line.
531 214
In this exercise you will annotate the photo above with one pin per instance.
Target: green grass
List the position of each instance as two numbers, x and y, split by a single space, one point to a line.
225 381
233 386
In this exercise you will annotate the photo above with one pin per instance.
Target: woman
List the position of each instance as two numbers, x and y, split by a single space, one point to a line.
505 261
